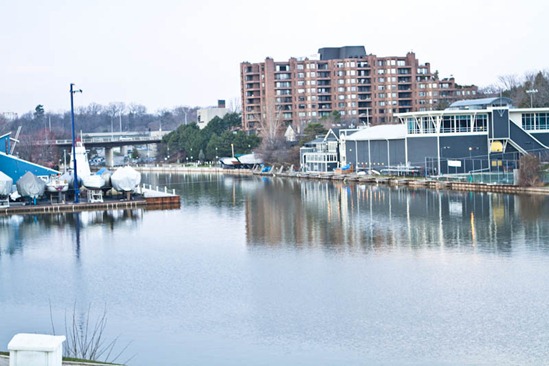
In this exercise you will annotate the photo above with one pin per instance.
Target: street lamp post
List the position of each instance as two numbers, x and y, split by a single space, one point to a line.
531 92
76 188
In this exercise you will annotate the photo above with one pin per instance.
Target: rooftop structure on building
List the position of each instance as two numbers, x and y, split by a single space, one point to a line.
205 115
361 88
482 103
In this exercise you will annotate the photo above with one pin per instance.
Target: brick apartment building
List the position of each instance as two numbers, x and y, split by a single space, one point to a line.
362 88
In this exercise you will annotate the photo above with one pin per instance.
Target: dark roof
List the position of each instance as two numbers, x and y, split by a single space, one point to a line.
337 53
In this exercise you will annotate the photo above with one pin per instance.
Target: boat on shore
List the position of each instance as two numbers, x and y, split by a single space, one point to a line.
29 185
125 179
57 184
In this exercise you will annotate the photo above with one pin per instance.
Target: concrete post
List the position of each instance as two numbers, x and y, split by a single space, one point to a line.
109 157
36 350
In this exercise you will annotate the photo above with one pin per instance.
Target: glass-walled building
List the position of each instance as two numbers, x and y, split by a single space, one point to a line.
470 136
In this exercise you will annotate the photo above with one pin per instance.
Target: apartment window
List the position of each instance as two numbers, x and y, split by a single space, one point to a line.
351 72
282 84
341 81
311 66
311 74
381 80
381 71
341 89
339 65
341 105
341 97
340 73
284 67
380 63
300 82
401 63
381 95
300 75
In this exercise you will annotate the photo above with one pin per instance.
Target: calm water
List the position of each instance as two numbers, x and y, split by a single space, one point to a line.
255 271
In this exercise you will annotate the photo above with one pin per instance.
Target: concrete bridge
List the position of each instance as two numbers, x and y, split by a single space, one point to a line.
110 140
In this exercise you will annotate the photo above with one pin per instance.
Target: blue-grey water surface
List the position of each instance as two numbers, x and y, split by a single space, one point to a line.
267 271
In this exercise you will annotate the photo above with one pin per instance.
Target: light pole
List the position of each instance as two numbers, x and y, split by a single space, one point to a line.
76 188
531 92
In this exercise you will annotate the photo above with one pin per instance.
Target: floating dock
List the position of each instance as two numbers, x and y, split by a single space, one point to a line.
147 199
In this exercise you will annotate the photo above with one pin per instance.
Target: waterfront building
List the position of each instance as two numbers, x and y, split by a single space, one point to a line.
359 88
469 136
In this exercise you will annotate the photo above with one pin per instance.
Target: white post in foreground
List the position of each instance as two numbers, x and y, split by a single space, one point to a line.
36 350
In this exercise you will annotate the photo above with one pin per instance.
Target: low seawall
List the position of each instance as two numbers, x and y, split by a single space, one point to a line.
354 177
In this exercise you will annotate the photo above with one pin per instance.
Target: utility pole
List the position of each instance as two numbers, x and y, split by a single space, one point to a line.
531 92
76 188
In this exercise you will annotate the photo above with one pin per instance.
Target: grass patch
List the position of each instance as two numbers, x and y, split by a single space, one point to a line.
71 359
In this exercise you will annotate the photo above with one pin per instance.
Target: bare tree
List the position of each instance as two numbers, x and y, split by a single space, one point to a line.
115 110
271 123
530 171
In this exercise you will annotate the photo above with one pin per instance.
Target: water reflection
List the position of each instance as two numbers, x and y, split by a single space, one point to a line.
19 229
370 217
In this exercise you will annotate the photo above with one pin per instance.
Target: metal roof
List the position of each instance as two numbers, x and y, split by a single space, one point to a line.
482 103
380 132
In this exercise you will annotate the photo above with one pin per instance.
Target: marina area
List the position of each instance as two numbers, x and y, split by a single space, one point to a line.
265 270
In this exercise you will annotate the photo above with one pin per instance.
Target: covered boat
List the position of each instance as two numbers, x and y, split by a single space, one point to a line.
93 181
29 185
6 184
125 179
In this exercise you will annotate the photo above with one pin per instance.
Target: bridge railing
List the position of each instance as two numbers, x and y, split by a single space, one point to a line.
109 139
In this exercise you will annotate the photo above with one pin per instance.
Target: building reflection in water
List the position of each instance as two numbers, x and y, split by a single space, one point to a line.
343 216
19 229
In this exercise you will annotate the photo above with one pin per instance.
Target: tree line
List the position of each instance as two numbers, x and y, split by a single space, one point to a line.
220 138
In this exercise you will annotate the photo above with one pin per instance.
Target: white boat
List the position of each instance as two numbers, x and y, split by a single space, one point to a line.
57 184
93 181
6 185
247 161
125 179
82 163
29 185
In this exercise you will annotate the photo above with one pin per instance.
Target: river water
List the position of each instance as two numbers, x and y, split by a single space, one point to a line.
269 271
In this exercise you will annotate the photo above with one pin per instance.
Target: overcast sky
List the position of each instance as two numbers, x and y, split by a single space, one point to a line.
168 53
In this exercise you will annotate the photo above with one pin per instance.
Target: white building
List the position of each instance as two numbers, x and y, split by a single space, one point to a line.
205 115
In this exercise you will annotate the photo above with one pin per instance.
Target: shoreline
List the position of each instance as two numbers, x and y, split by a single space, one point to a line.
355 178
